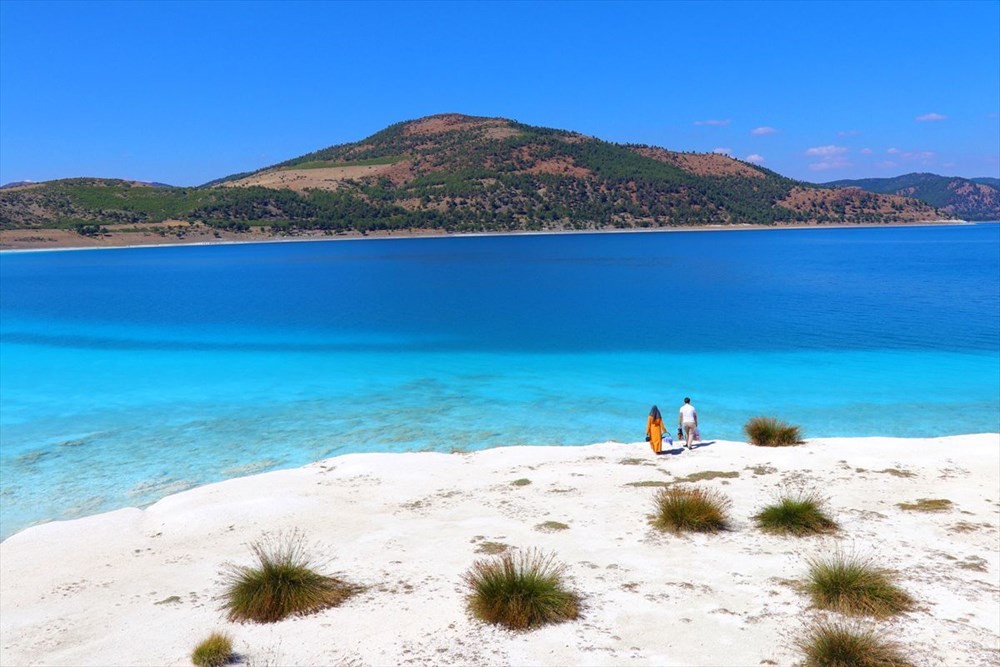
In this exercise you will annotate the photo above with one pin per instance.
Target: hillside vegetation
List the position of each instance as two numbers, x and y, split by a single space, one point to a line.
969 199
460 173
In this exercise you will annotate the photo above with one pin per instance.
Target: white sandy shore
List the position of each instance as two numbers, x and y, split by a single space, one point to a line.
139 587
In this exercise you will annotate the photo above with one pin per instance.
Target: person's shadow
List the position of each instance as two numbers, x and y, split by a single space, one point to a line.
678 447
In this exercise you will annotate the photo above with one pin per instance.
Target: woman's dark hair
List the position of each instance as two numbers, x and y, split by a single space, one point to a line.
655 413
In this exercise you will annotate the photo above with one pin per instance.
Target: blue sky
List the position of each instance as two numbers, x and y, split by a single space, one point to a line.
185 92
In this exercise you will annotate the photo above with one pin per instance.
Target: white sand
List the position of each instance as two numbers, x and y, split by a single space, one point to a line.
139 587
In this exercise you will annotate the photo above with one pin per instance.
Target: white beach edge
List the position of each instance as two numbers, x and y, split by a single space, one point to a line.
141 587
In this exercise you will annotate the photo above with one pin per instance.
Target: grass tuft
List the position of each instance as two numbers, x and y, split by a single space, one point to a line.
282 583
680 509
520 590
854 586
798 515
839 644
524 481
215 651
770 432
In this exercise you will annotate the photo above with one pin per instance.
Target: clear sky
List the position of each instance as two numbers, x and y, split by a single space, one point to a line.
186 92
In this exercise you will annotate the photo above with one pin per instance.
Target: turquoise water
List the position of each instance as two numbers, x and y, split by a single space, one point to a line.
129 374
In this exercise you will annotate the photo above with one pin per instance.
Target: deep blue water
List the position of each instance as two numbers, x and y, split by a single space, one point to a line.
128 374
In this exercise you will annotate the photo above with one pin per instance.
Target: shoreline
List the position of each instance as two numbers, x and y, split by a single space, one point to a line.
140 586
252 474
119 241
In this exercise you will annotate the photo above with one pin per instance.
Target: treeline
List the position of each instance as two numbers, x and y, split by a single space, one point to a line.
467 200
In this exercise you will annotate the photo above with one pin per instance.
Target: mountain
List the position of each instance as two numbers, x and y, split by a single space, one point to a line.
969 199
462 173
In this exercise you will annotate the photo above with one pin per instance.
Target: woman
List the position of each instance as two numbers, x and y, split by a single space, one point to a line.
655 430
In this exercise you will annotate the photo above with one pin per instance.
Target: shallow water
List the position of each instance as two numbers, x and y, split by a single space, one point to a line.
129 374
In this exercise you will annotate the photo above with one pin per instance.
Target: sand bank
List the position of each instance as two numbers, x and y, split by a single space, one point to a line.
19 240
139 587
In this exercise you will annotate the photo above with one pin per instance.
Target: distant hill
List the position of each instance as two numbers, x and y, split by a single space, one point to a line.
461 173
970 199
76 201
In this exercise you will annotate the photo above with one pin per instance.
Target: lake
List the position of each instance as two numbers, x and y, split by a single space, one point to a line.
129 374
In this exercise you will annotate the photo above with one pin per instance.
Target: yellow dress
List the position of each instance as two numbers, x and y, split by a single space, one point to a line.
654 429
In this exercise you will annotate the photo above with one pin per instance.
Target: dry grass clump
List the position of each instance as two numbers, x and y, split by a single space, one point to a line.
897 472
927 505
520 590
798 515
709 474
215 651
770 432
680 509
839 644
492 548
854 586
635 462
551 526
282 583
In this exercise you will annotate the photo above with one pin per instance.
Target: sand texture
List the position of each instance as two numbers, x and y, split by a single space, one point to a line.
141 587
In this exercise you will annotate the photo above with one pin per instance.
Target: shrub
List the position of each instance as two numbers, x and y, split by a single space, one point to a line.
852 585
770 432
520 590
215 651
682 508
283 583
838 644
796 515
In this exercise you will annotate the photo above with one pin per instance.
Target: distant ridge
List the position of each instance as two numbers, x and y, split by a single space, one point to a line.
458 173
23 184
970 199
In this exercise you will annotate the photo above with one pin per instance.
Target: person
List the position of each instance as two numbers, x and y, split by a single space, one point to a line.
655 430
688 420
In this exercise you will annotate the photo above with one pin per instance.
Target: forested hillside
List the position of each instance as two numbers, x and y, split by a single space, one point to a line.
969 199
460 173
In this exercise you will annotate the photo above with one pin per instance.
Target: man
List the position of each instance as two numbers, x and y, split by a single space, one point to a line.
688 420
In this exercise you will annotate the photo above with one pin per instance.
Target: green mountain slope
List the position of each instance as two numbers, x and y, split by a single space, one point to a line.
463 173
970 199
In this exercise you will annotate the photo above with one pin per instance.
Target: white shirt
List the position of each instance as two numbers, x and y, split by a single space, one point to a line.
688 414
